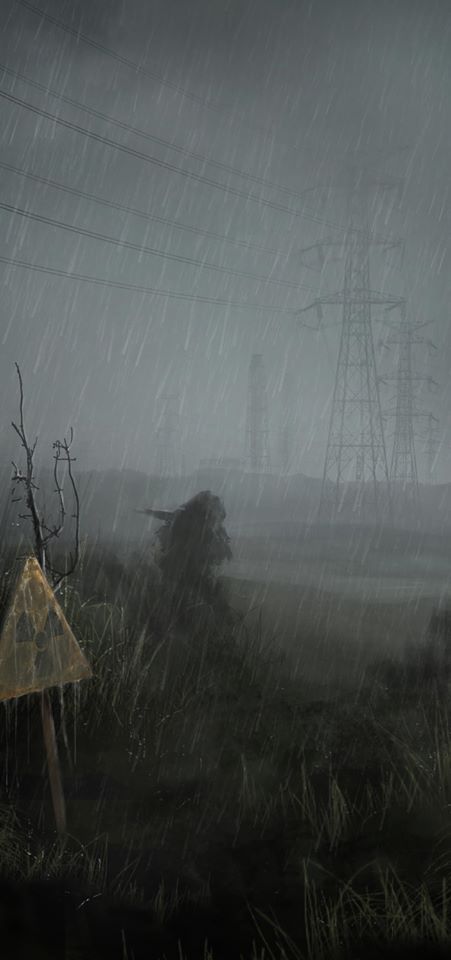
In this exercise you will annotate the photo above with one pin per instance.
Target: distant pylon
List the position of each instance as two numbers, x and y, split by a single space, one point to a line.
356 450
166 437
403 465
432 446
257 431
286 428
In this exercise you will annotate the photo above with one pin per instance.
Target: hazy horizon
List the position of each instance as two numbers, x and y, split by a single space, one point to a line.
288 93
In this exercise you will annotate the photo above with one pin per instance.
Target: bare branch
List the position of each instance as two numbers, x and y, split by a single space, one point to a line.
51 532
65 445
16 428
58 489
21 395
28 477
44 533
77 509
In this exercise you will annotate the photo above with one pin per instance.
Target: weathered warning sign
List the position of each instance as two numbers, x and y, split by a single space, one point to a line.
37 646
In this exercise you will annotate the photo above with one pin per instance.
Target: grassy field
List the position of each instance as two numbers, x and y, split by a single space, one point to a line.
215 809
329 640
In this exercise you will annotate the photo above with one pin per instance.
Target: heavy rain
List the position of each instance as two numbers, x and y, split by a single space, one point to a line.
225 567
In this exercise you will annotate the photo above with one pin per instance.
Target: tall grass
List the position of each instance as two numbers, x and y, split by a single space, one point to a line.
210 722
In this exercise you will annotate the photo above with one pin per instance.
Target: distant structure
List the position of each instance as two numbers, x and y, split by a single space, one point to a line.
257 433
167 438
403 466
286 429
356 451
432 446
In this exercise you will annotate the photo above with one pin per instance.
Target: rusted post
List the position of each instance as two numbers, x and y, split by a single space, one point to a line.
53 764
51 746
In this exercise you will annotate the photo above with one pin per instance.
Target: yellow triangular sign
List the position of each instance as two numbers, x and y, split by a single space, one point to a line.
37 646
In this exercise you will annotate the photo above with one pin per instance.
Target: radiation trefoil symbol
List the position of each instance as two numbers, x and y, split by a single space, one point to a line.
42 640
37 646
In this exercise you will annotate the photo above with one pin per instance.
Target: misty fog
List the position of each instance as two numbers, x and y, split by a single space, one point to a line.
268 100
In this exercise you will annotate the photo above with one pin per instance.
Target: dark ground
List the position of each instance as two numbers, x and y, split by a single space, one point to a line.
184 775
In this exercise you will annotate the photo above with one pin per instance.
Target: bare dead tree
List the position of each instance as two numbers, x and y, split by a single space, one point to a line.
43 533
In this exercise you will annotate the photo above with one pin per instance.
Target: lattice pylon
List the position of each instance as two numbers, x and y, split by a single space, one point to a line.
403 466
432 446
356 444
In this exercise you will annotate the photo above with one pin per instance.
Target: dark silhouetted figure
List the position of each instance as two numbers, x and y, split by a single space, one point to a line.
192 545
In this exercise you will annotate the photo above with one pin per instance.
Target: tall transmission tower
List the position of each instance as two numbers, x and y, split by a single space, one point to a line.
356 451
403 465
167 437
432 446
257 431
286 425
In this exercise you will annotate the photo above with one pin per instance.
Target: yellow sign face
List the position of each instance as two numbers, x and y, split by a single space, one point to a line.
37 646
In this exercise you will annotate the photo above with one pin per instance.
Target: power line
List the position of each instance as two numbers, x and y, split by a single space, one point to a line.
125 61
144 71
137 68
141 248
154 291
152 138
135 212
164 164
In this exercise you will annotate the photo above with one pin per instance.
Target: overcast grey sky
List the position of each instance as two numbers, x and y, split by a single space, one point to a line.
284 90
